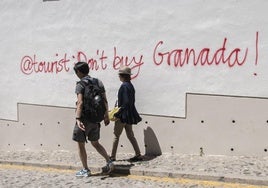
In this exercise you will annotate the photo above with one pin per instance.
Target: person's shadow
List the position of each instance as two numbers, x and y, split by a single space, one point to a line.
152 146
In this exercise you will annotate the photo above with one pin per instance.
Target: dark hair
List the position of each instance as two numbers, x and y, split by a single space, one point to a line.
126 77
81 67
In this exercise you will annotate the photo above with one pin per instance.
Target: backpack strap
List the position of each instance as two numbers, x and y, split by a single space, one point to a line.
92 81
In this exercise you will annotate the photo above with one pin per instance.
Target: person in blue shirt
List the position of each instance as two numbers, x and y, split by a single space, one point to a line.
127 115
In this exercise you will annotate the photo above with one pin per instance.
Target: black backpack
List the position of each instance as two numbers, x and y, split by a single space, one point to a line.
93 101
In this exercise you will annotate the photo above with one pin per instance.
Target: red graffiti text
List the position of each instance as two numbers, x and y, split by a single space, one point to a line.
30 65
133 62
93 63
182 57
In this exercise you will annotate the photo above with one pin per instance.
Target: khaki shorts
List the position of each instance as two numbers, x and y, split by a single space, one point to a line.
92 132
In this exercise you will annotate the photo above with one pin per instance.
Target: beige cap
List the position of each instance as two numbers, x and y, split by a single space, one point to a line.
124 70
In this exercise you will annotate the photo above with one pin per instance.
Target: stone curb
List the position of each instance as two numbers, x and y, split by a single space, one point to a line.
155 173
204 177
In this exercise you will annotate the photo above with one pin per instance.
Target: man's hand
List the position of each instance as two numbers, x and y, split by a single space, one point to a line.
80 125
106 119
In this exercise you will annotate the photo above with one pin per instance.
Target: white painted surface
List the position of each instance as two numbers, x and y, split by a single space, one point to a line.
49 30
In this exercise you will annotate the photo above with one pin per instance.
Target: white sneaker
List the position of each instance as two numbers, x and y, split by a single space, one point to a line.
83 173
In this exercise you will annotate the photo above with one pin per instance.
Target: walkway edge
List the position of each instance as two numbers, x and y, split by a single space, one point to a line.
155 173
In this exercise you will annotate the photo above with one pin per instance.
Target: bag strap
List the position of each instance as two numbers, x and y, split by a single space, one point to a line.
91 81
116 103
94 81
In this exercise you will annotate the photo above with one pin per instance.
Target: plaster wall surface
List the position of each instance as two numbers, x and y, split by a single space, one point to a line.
213 125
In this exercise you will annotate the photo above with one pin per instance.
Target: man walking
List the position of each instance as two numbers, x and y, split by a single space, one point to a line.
86 127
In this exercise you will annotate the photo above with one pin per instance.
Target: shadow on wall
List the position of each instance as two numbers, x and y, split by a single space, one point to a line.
152 147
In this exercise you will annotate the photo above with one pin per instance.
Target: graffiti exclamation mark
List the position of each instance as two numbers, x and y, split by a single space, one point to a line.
257 51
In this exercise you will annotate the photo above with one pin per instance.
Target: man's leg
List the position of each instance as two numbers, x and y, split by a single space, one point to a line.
100 149
80 137
83 154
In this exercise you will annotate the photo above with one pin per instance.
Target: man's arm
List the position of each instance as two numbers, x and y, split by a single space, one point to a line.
78 112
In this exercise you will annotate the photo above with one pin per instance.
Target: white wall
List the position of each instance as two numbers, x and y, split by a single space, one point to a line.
58 30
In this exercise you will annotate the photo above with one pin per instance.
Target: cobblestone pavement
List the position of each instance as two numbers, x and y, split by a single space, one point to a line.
232 169
47 178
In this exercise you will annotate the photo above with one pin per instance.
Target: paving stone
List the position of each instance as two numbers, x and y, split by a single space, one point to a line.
225 168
